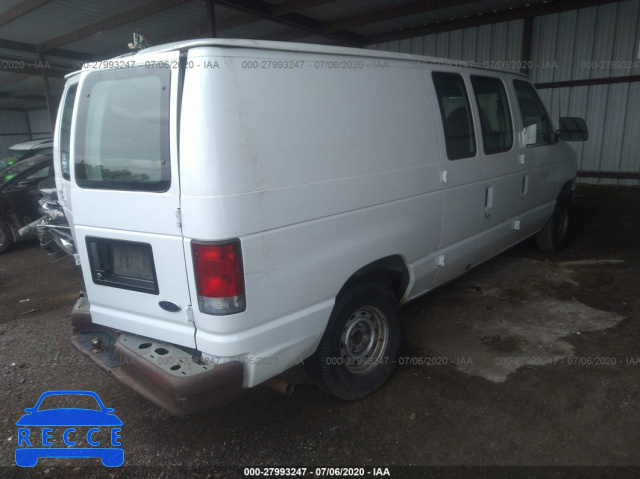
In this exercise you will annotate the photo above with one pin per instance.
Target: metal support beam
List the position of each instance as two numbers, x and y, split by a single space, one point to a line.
588 82
616 175
112 22
29 127
20 10
56 52
211 19
527 33
47 93
488 19
393 12
292 6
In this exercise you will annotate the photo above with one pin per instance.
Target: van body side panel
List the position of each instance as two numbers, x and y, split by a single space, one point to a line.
295 274
317 176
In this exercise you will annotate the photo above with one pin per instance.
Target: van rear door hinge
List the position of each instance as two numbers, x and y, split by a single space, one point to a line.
443 176
178 217
189 314
440 260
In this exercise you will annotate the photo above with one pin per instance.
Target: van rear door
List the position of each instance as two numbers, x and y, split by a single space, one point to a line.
126 197
62 147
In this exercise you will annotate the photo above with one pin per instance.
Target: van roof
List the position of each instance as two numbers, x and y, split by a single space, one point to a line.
308 48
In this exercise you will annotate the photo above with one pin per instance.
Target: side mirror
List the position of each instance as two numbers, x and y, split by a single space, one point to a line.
573 129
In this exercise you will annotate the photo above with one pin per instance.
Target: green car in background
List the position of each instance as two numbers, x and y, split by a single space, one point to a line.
22 151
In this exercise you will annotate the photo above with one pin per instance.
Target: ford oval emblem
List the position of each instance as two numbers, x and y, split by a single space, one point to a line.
170 306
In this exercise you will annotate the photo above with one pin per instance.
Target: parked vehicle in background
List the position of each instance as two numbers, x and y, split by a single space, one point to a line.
19 196
239 206
22 151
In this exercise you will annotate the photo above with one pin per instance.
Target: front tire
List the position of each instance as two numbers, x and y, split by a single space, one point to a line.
556 233
359 349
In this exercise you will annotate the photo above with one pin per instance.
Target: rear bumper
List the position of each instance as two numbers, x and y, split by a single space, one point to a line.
163 373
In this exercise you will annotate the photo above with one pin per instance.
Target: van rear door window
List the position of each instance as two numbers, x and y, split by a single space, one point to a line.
122 133
456 115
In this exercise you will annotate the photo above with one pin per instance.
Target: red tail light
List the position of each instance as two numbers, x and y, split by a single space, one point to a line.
219 277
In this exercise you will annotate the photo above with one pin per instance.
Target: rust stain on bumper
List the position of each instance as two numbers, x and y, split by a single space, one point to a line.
179 396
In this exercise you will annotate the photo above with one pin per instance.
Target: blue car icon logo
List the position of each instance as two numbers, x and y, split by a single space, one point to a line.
69 432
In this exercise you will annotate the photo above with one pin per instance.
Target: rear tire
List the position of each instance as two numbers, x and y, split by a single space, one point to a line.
556 234
359 349
6 240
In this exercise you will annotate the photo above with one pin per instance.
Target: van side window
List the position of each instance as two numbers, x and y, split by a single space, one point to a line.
537 126
65 130
456 115
495 116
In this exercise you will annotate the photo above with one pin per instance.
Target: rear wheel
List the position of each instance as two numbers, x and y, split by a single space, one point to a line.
556 234
5 236
359 349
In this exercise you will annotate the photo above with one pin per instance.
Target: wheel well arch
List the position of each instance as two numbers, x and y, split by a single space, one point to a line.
392 271
568 188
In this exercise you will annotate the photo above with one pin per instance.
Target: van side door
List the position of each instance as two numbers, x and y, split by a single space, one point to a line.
501 169
461 176
539 154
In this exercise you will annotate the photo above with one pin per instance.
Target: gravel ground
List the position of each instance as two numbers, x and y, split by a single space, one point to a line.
578 407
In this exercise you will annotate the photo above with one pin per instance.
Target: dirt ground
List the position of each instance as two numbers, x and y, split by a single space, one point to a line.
529 360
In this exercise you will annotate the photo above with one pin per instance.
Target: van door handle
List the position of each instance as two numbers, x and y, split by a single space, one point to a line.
488 200
525 185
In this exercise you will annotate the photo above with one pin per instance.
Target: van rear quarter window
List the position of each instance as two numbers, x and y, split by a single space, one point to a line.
456 115
122 137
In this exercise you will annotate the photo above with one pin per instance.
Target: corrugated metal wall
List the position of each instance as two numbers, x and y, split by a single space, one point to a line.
14 128
595 42
40 124
499 42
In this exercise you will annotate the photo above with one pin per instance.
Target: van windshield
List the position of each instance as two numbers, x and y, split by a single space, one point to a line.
122 136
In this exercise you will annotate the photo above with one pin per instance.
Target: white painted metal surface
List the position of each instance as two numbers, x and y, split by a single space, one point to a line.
319 168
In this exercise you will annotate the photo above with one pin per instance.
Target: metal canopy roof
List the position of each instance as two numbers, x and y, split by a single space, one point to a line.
43 40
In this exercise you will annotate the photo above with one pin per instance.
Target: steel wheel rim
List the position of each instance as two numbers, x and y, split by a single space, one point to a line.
364 340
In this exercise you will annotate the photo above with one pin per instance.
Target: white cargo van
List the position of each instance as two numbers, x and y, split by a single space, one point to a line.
240 206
